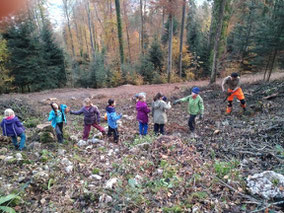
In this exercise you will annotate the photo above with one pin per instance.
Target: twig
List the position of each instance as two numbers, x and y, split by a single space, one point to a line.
233 189
269 205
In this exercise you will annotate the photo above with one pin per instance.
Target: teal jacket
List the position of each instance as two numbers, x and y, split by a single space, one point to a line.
52 116
195 105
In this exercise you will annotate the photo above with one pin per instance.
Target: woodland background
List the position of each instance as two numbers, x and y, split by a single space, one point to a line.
105 43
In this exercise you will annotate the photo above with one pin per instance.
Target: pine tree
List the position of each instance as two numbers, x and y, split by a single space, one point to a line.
53 59
156 55
25 56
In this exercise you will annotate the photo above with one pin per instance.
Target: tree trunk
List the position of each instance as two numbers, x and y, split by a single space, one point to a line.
90 26
272 65
127 30
181 37
170 47
266 67
216 42
65 8
119 31
78 34
142 27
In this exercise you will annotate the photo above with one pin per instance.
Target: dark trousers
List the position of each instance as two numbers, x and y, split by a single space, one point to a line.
159 128
59 132
115 133
191 122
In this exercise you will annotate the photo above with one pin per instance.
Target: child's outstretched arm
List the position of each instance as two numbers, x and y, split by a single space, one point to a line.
79 112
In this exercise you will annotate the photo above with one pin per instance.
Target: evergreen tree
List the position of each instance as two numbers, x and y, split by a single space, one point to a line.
53 59
156 55
98 71
25 56
165 36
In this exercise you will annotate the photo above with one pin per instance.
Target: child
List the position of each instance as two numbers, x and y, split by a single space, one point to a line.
112 118
195 107
12 127
159 107
92 118
142 114
57 117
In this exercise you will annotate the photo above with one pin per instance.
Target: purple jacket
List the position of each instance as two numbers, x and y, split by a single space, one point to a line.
142 112
12 127
92 114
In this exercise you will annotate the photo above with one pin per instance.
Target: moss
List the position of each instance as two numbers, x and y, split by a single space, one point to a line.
46 137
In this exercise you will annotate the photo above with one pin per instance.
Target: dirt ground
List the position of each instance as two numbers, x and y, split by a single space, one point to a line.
125 91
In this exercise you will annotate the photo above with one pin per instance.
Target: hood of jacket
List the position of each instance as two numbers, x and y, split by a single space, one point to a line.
10 121
110 109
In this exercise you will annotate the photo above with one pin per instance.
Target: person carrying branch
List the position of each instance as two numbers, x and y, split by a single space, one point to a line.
232 85
195 107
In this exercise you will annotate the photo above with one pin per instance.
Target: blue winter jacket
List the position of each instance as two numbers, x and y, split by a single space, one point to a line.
52 116
112 117
12 127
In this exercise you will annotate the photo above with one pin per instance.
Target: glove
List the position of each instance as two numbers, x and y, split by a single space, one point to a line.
169 103
201 116
176 102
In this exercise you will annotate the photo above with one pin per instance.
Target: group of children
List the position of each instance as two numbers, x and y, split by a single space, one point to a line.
12 127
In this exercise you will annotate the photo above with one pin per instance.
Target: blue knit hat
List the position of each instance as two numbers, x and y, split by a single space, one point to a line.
195 90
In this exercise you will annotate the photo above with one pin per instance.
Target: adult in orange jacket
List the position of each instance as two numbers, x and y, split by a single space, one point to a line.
232 85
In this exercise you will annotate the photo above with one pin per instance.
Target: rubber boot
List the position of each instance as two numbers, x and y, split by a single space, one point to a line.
228 110
244 107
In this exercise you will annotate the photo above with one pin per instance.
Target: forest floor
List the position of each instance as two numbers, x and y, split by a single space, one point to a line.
171 173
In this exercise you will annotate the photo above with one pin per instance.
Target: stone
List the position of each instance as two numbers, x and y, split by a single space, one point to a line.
8 158
95 140
110 183
98 135
66 162
3 150
61 152
105 199
69 169
19 156
97 177
45 127
110 152
73 98
34 146
2 157
268 184
82 143
74 138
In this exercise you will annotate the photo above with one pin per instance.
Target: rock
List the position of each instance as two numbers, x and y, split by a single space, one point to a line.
52 99
66 162
45 167
138 179
98 135
82 143
46 137
216 132
73 98
34 146
110 152
110 183
267 184
8 158
102 158
97 177
95 140
61 152
2 157
105 199
74 138
45 127
3 150
40 177
145 146
19 156
69 169
89 147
